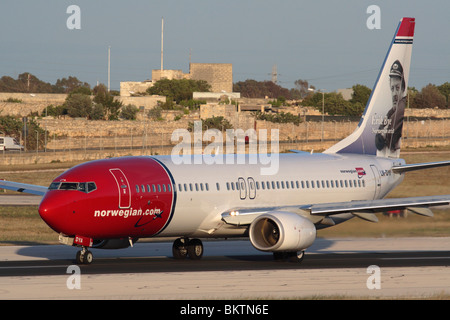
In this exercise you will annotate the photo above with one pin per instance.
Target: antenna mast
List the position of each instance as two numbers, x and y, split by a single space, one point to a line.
162 44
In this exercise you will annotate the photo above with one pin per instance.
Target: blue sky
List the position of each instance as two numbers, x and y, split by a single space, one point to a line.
324 41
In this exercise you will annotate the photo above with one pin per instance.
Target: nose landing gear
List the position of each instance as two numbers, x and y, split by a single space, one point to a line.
184 247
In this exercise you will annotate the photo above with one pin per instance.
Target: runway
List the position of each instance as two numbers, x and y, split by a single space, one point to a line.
408 267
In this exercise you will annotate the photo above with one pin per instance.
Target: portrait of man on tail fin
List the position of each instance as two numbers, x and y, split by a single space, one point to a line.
387 140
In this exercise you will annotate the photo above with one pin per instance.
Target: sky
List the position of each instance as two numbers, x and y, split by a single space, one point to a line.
326 42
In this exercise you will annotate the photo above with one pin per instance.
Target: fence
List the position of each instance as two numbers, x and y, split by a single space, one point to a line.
151 138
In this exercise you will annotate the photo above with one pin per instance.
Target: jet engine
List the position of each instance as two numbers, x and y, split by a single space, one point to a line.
112 243
281 231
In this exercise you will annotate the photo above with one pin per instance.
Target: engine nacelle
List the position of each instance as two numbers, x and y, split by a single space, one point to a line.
112 243
282 231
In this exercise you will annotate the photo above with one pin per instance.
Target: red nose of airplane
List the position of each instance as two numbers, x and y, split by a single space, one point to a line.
53 211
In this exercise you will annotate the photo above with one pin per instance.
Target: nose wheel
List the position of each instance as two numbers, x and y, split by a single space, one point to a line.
184 247
84 256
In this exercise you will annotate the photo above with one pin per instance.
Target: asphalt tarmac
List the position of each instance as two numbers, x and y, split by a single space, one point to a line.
233 269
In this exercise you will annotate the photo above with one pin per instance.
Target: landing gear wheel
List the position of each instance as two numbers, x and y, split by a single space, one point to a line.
195 249
88 257
289 256
179 248
296 256
84 256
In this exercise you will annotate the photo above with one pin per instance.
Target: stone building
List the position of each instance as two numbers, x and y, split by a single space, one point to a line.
218 75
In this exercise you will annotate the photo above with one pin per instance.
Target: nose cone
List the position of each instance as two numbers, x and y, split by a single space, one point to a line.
53 211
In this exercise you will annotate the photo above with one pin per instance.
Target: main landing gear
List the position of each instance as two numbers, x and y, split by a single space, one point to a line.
184 247
84 256
289 256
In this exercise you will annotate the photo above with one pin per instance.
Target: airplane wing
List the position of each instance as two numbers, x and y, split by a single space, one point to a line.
323 213
23 187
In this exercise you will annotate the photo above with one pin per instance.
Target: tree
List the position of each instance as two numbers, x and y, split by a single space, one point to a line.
66 85
129 112
261 89
78 105
361 94
429 97
335 104
14 127
444 89
178 90
112 106
302 87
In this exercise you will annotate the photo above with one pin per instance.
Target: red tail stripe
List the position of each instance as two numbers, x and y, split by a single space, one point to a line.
407 27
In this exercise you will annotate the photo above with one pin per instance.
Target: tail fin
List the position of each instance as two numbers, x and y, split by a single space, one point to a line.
380 128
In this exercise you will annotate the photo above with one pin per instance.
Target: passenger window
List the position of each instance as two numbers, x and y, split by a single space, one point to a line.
169 188
282 184
143 188
207 186
185 187
228 186
190 187
196 187
137 188
218 186
164 187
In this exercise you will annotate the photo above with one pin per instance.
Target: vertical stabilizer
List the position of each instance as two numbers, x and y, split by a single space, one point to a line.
380 128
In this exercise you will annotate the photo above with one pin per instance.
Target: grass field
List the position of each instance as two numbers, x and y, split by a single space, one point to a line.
22 225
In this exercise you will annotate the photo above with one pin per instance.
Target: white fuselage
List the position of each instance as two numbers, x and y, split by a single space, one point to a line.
205 191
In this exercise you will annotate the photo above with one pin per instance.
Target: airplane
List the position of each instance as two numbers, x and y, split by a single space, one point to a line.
111 203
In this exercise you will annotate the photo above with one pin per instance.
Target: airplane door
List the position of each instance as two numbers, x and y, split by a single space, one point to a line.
242 188
377 177
123 187
251 188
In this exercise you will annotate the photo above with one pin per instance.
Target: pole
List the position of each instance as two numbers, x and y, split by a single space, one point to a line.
323 110
162 45
109 68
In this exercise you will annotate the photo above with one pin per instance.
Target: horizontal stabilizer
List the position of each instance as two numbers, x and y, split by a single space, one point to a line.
419 166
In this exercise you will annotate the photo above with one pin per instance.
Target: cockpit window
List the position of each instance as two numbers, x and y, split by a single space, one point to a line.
54 186
85 187
68 186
